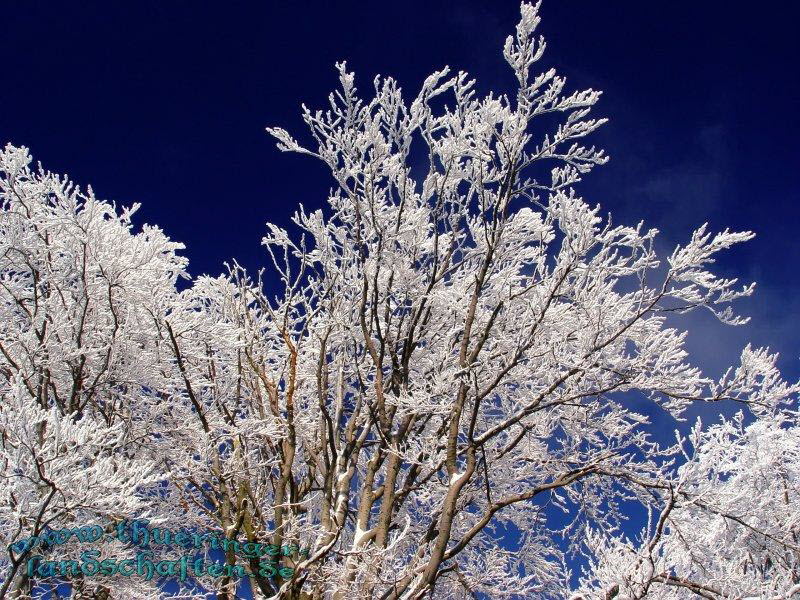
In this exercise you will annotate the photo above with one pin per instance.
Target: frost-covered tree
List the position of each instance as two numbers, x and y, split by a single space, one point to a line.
77 293
436 400
728 524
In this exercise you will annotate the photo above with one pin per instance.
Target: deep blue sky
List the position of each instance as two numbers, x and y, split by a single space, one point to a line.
165 103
